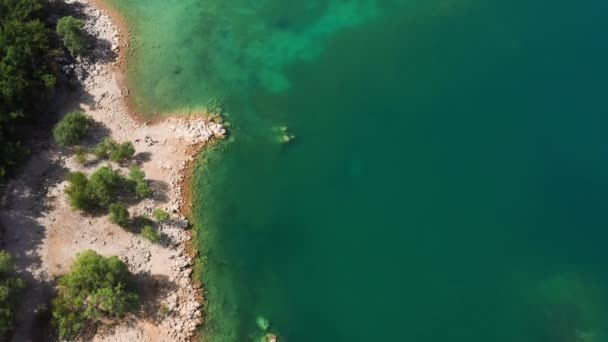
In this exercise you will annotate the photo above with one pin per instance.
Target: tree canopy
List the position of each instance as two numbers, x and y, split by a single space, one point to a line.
96 289
71 129
98 191
27 73
138 183
10 287
71 31
119 215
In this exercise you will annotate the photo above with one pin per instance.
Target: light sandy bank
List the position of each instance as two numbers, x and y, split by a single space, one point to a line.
45 235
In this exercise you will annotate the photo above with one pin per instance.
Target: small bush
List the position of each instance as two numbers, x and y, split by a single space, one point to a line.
119 215
136 174
78 195
71 129
80 155
122 153
71 31
142 190
161 216
97 290
150 234
139 184
10 288
98 191
6 263
164 310
103 185
103 149
110 149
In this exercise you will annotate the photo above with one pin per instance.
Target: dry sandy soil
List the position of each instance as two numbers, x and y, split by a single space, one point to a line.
45 234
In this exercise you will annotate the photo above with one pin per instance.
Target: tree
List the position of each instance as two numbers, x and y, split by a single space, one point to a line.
122 152
71 31
150 234
71 129
18 9
10 287
119 215
96 290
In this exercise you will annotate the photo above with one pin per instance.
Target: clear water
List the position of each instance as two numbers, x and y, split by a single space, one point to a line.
448 182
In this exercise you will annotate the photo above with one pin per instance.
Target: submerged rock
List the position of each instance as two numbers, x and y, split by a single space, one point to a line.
263 323
284 136
270 338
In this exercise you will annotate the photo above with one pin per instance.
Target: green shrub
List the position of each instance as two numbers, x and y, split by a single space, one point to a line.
80 155
98 191
142 190
136 174
6 263
104 185
78 195
119 215
139 184
103 149
71 129
110 149
10 288
163 311
150 234
71 31
161 216
122 152
98 289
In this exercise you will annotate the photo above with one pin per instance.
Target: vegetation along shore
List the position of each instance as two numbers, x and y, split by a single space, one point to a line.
95 244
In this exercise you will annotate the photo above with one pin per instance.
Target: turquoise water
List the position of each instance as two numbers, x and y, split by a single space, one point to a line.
449 176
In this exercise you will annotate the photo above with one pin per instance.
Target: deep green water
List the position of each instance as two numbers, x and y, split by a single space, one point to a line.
449 180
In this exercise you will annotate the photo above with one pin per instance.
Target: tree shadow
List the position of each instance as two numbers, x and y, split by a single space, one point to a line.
150 288
88 100
99 49
102 50
139 222
166 239
96 134
42 329
160 190
153 287
20 209
142 157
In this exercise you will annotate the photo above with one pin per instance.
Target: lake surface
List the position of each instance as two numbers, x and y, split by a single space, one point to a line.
449 176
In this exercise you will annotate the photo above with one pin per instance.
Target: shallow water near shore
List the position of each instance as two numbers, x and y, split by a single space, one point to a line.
449 176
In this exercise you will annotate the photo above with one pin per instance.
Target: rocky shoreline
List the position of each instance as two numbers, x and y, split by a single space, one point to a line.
45 235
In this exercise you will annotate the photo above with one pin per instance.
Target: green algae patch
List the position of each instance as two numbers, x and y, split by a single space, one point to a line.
184 54
570 308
